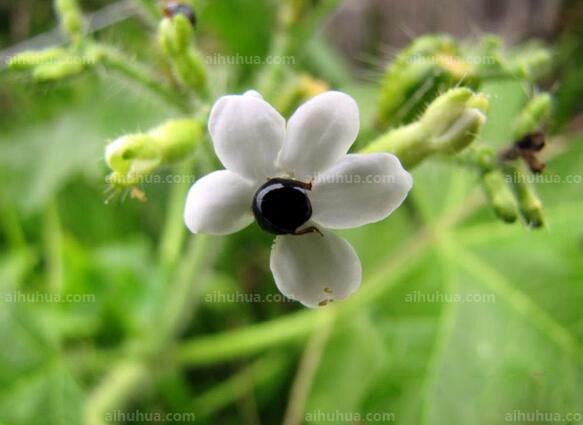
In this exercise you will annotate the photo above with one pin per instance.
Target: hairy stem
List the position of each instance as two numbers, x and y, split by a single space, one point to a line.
139 74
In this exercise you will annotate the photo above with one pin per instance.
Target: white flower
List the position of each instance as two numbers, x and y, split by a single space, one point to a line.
297 180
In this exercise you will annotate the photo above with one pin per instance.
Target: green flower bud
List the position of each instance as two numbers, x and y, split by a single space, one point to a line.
177 138
533 116
190 69
450 124
485 158
499 195
451 110
530 205
430 64
175 38
56 71
302 88
166 37
175 35
532 65
33 58
133 157
71 18
494 64
453 120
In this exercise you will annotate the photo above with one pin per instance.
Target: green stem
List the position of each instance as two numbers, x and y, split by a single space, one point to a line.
257 374
11 225
408 143
53 247
173 232
138 73
287 41
151 9
272 73
181 296
307 371
126 377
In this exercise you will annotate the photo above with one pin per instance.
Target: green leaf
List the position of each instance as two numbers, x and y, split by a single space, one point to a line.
35 385
347 369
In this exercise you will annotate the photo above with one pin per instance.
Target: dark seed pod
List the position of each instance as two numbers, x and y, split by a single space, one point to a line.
533 142
527 148
173 8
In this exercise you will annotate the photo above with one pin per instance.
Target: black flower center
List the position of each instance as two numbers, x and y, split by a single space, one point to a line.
281 206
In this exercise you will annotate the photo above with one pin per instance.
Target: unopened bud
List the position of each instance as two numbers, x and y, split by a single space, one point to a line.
530 205
33 58
301 89
175 37
454 119
56 71
533 116
431 63
133 157
450 124
71 18
533 65
499 195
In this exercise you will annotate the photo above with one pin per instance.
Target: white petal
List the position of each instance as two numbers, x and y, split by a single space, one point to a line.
219 203
253 93
360 189
319 133
315 269
247 134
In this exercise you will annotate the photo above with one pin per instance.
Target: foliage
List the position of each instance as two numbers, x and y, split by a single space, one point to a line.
111 307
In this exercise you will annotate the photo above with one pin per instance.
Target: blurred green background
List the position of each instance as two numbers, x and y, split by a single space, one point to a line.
404 351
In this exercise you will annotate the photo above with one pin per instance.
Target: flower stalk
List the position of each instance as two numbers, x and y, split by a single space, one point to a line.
133 71
175 36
